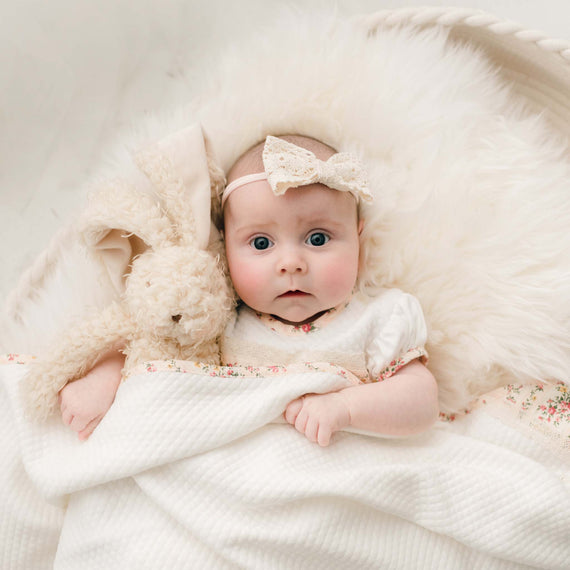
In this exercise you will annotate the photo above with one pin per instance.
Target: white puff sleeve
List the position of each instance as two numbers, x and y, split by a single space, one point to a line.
397 337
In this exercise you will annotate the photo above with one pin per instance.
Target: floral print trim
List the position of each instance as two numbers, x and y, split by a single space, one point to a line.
443 417
236 371
550 407
16 358
540 410
293 330
398 363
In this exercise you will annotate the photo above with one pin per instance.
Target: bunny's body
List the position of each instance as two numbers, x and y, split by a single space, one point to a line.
177 298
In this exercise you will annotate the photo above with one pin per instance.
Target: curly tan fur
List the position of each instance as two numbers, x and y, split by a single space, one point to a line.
177 297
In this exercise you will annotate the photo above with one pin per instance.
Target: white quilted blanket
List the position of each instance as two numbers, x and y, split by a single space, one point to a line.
193 468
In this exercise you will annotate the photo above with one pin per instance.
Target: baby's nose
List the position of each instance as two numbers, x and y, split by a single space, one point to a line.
292 261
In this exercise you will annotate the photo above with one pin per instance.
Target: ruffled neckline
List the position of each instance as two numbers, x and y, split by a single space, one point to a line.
274 324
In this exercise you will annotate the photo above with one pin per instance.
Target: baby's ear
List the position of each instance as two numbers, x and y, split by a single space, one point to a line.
360 226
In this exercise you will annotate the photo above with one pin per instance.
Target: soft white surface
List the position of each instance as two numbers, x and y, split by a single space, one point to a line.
192 470
73 75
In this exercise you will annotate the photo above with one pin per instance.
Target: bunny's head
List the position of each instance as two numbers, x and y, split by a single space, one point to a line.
179 293
177 289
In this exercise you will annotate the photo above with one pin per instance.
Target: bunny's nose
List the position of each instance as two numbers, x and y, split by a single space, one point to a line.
176 318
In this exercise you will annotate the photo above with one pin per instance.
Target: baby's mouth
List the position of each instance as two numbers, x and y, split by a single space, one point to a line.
294 293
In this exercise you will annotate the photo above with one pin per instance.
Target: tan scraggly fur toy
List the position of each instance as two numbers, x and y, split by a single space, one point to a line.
176 302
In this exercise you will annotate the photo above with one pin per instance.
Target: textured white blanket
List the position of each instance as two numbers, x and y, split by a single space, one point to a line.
193 468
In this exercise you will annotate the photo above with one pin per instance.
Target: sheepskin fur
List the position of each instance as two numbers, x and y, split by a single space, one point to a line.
471 189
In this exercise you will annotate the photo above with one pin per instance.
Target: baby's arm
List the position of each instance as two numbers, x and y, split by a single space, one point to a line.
85 402
404 404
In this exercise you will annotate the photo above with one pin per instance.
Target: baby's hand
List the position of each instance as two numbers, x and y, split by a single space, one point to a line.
318 416
85 402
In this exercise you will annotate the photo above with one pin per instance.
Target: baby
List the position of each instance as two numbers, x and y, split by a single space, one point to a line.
292 234
292 230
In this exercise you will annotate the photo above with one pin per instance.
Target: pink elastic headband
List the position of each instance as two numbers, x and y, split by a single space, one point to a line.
242 181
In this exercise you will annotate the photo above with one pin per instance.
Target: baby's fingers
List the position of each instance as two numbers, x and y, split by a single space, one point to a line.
292 410
324 435
301 421
89 428
311 429
66 416
76 422
314 429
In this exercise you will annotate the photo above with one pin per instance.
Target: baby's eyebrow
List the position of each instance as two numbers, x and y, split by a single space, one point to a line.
251 227
320 222
307 223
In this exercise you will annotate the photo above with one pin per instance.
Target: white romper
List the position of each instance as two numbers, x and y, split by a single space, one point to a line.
371 337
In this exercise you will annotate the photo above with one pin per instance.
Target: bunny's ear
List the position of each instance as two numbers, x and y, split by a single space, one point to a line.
119 204
123 216
178 168
120 222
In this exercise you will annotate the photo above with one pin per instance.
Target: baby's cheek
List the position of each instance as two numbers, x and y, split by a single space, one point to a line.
341 277
247 280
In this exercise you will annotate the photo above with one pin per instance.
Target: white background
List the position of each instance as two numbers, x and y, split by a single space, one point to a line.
75 73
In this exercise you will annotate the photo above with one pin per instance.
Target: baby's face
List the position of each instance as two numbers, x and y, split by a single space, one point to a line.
292 256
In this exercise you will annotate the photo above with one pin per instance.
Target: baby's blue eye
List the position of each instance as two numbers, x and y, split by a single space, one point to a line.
261 242
317 239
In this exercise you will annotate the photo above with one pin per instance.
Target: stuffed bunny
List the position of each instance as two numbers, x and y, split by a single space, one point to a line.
177 298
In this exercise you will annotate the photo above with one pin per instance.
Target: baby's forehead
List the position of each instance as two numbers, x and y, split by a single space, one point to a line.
256 204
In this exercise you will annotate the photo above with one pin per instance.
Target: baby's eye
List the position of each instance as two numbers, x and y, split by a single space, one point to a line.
317 239
261 242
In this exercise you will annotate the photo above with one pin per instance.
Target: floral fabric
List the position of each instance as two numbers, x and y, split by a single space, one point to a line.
16 358
294 330
397 364
541 410
235 371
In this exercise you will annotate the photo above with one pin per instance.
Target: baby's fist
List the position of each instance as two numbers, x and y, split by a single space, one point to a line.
318 416
82 407
85 402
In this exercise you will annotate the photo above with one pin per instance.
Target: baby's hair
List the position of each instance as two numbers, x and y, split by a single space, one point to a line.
251 161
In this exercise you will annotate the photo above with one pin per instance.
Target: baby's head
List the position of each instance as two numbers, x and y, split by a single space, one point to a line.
296 254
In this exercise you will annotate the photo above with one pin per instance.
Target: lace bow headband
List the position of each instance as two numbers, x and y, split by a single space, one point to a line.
290 166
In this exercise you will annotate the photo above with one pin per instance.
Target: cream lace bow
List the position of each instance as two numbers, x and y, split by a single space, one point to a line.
289 166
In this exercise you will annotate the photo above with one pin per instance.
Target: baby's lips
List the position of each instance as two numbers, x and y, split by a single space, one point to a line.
294 293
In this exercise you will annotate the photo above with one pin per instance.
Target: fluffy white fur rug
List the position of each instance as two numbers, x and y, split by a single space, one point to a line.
471 212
